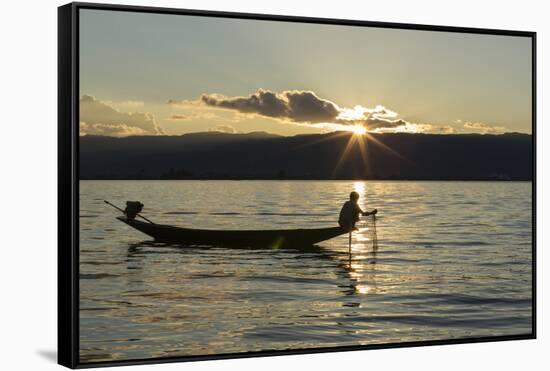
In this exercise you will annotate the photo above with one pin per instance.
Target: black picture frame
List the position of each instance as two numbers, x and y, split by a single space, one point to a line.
68 180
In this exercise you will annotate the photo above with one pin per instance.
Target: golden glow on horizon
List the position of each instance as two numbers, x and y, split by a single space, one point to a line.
362 130
358 130
361 141
354 140
330 126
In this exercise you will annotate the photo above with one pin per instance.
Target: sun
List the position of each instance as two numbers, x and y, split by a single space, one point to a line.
358 130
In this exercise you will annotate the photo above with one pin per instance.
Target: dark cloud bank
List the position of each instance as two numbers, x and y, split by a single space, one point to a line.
302 107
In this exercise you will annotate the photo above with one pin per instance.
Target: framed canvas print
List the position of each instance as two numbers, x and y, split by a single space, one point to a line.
237 185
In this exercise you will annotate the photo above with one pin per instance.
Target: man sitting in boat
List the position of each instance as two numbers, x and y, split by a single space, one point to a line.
349 215
133 208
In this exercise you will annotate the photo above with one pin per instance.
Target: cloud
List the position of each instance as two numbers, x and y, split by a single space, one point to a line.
188 110
101 118
484 128
294 105
224 129
120 130
301 107
185 103
195 116
132 103
304 107
438 129
373 123
128 105
179 118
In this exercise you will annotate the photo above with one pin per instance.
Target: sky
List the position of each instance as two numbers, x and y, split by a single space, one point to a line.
154 74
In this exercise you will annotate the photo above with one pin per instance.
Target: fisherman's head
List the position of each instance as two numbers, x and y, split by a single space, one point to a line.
354 196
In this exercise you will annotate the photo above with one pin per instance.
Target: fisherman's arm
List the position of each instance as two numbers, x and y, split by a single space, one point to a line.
367 213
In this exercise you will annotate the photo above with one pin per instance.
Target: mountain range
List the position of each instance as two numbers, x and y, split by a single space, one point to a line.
259 155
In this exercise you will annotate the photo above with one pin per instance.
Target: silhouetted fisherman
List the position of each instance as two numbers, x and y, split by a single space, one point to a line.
133 208
349 215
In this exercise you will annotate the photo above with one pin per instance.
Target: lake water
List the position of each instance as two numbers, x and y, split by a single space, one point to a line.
453 261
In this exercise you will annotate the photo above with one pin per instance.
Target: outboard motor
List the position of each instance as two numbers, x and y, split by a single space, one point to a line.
132 209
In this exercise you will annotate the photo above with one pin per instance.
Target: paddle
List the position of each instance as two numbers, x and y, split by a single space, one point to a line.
349 243
118 208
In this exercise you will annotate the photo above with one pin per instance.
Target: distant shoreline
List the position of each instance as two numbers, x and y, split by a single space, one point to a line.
207 156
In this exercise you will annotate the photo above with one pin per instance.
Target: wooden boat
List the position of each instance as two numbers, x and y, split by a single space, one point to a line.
284 238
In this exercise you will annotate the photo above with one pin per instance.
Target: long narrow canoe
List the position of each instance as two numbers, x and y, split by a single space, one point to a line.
235 238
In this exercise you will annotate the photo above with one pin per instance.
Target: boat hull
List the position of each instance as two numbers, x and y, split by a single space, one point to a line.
248 238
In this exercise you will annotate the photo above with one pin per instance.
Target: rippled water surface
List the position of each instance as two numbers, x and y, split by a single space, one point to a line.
453 261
